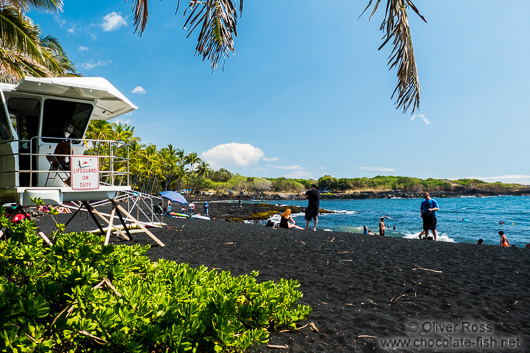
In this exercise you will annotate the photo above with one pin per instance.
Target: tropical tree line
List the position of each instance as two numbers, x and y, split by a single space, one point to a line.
151 170
412 185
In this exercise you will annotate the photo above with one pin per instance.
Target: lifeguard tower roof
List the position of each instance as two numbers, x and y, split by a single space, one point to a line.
110 102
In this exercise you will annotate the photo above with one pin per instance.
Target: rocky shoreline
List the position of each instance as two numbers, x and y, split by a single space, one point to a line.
227 207
389 194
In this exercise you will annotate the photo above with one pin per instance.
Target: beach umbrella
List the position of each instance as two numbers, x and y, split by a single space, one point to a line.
173 196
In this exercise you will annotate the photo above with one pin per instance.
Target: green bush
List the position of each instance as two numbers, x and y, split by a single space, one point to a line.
79 295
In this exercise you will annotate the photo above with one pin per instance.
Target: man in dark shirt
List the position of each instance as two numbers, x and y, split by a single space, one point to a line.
313 206
428 210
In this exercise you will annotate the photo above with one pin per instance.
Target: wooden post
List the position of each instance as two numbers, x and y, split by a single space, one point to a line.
122 221
91 213
109 229
45 238
108 222
76 212
140 225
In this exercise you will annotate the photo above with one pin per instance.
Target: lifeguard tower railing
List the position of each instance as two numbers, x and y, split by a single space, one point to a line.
36 168
113 160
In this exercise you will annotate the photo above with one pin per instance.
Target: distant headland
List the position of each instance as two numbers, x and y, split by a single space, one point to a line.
356 188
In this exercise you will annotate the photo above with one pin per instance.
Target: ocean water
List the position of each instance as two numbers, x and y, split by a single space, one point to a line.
461 220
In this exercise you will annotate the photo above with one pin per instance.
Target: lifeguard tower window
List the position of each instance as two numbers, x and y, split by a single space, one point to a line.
25 116
64 119
26 113
5 134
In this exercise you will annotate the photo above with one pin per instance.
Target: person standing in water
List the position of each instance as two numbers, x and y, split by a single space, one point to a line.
428 210
382 226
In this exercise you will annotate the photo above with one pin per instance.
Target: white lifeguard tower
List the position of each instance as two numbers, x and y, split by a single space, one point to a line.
40 115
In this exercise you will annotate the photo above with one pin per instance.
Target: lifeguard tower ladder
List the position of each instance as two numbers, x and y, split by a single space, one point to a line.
38 118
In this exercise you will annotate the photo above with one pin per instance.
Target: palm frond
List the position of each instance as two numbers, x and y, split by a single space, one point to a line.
17 31
217 20
42 5
25 53
397 30
141 15
56 57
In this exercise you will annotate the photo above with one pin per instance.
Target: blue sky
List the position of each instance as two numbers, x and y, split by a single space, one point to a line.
308 94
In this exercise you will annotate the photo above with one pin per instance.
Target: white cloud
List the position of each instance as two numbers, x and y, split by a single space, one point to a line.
422 117
299 174
113 21
515 179
293 171
71 30
284 167
90 65
232 154
376 169
139 90
270 159
123 121
82 48
60 21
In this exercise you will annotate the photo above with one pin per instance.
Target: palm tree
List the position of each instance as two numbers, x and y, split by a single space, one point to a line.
43 5
169 165
217 20
136 160
124 132
192 159
23 51
99 130
202 171
150 169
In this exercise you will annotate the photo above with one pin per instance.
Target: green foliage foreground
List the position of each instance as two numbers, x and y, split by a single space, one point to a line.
79 295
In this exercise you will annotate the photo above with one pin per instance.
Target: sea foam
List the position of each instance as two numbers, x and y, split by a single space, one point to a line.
440 237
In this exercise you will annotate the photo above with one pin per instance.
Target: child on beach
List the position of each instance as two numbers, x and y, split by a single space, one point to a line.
382 226
504 240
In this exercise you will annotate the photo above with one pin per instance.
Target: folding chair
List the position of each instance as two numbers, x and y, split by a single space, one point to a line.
57 170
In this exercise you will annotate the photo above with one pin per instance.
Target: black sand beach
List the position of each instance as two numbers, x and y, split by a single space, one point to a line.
364 289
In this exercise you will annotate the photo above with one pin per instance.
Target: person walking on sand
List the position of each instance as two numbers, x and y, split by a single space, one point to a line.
206 208
504 240
313 207
428 210
382 226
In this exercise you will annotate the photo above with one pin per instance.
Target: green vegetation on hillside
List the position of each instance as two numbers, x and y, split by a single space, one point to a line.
414 185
